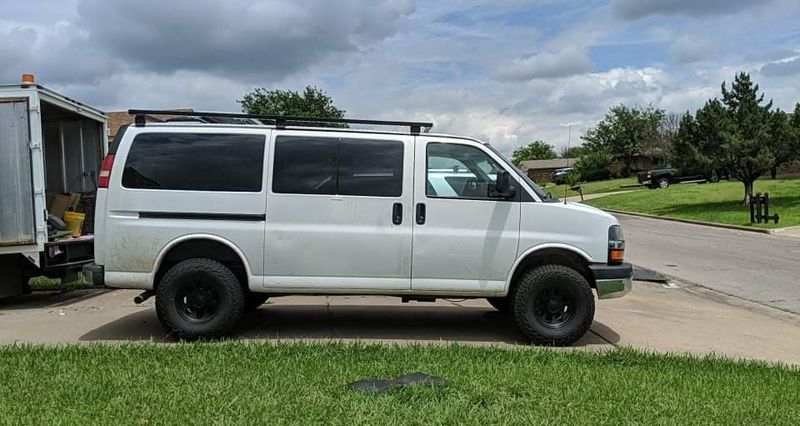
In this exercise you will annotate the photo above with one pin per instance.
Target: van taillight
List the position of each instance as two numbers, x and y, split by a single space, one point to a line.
105 171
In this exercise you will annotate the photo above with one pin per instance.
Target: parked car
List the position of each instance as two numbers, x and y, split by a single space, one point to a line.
213 219
559 176
664 176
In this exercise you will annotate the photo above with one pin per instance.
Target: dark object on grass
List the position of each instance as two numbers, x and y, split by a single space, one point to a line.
641 274
383 385
759 209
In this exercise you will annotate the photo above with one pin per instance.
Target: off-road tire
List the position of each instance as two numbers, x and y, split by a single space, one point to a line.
547 278
502 304
229 292
253 301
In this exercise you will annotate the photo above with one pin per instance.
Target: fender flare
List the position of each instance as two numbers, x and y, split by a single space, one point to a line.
532 250
183 238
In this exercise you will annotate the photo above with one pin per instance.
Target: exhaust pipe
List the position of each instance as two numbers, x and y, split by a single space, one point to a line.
142 297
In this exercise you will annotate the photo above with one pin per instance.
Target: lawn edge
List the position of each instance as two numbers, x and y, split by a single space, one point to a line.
699 222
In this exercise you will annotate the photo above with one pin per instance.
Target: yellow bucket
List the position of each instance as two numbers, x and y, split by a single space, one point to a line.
74 222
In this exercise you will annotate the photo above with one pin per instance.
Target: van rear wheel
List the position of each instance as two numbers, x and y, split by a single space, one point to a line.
553 305
199 299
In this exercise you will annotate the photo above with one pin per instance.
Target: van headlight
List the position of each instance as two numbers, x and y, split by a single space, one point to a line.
616 245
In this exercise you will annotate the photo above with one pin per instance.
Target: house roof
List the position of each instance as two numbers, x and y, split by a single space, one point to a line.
117 119
555 163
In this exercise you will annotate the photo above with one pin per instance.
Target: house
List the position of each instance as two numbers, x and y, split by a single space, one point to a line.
117 119
539 170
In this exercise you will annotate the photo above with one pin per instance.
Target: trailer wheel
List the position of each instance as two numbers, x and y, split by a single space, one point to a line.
199 299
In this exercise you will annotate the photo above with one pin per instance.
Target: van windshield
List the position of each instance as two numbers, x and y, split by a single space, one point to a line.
544 196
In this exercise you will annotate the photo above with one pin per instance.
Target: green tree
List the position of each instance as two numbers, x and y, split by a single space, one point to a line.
536 150
624 131
577 151
784 143
594 166
748 132
697 145
312 102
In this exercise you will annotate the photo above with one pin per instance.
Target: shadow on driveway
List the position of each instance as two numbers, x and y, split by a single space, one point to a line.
348 322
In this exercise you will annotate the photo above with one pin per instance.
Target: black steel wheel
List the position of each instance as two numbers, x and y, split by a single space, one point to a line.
553 305
199 299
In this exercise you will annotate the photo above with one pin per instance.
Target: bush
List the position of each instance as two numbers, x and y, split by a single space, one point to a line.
594 166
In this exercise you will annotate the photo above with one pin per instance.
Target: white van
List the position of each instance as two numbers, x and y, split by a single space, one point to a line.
215 212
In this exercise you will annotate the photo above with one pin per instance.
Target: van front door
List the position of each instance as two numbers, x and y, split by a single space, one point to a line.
465 239
339 212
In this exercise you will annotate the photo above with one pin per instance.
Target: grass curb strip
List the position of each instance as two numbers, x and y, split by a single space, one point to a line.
698 222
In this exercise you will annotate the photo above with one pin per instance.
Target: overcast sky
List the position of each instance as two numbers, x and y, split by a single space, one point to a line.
504 71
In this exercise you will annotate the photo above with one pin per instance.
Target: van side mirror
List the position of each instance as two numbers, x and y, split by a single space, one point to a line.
502 187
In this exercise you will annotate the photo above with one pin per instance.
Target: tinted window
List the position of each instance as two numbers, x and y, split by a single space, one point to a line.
459 171
305 165
370 167
195 162
308 165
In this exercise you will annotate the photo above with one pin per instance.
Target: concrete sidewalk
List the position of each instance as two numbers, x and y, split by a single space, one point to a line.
652 317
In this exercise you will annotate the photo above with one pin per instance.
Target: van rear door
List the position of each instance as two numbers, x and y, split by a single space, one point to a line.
17 225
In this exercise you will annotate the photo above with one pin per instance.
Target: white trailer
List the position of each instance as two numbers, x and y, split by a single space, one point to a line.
49 144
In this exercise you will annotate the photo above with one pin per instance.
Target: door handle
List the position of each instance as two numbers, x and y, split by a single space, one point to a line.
420 213
397 213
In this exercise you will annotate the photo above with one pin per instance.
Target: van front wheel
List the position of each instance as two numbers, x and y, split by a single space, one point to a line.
553 305
199 299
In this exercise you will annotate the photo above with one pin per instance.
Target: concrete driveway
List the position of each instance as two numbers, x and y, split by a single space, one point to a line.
652 317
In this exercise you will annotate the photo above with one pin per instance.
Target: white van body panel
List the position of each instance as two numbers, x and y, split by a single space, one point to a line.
134 244
345 242
575 227
465 245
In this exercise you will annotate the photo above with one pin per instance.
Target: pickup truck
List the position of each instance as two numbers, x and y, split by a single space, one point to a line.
664 176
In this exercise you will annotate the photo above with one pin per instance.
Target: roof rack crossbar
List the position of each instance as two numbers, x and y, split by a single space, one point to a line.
280 121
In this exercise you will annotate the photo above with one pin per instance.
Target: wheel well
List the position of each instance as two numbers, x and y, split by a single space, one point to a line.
553 256
203 248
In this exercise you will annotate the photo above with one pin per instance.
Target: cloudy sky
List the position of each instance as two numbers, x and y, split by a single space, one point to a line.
505 71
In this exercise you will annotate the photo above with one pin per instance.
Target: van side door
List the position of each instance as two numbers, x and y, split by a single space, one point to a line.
465 237
339 211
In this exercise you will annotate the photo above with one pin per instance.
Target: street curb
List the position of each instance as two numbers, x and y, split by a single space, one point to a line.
700 222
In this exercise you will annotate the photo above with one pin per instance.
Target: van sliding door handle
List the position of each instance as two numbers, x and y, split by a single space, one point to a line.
420 213
397 213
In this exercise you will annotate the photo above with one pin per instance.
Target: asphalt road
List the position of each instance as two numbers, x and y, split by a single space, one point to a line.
758 267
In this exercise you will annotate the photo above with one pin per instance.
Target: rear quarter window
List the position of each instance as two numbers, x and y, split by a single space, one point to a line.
195 162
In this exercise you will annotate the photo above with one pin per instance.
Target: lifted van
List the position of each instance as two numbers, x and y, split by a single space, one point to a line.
213 213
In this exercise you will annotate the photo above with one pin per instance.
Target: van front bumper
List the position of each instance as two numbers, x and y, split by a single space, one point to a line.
612 281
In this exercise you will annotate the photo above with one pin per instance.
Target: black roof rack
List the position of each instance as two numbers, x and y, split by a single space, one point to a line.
280 121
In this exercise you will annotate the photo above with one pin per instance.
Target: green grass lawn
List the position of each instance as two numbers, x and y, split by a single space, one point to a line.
238 383
712 202
612 185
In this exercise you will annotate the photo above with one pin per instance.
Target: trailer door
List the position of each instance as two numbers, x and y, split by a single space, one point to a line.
17 225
